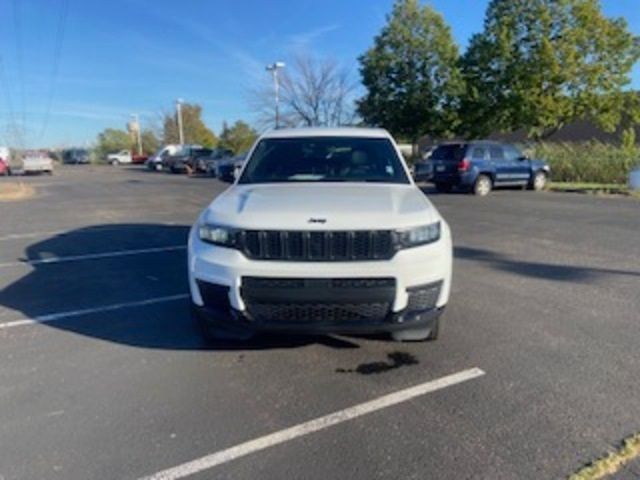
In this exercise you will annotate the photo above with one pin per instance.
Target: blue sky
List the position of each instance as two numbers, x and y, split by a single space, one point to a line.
119 57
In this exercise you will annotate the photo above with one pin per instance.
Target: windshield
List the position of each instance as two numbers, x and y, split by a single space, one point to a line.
324 159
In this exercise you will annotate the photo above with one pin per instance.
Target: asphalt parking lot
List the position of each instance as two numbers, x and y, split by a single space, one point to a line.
103 375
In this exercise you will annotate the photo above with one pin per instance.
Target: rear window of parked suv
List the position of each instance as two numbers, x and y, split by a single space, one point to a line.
324 159
452 151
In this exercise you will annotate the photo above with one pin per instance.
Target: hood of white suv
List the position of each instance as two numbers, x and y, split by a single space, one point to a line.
321 206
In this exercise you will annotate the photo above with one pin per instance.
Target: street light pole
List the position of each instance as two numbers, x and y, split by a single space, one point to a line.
179 113
136 122
273 68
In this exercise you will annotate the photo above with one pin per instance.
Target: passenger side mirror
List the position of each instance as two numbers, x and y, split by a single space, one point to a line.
523 158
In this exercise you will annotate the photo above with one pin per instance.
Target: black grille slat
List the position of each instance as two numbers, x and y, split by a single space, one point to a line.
318 300
318 312
356 245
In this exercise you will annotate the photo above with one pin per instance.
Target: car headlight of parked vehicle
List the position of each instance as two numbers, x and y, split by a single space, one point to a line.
218 235
417 236
412 237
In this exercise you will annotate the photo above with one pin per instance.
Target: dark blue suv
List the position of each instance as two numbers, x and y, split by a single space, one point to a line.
479 166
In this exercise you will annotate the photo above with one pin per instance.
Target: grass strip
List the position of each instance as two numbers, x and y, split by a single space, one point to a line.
612 462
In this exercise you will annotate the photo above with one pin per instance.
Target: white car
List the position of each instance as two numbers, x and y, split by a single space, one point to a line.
120 158
324 231
37 163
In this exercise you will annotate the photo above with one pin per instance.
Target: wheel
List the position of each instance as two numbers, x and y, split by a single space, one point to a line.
213 334
418 334
538 182
444 187
115 163
158 167
483 186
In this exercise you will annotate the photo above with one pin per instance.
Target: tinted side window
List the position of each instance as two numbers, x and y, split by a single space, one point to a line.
496 153
511 152
478 153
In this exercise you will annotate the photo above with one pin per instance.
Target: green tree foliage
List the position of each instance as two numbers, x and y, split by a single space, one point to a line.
150 142
411 74
237 138
112 140
194 128
540 64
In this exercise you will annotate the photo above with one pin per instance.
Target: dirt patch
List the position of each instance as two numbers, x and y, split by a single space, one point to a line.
13 192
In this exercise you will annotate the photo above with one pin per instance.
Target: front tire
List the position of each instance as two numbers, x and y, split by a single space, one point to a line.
423 334
538 182
483 186
212 334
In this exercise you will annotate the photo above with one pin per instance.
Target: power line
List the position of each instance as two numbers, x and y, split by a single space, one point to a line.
64 8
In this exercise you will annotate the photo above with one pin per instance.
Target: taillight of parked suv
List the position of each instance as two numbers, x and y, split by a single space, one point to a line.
464 165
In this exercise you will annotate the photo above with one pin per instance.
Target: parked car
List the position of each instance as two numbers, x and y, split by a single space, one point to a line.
37 162
634 179
5 169
227 169
76 156
185 160
423 171
121 157
5 161
154 162
480 166
206 164
139 159
323 232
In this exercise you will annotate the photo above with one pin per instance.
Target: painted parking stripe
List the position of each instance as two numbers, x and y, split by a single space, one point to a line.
18 236
321 423
52 317
50 233
93 256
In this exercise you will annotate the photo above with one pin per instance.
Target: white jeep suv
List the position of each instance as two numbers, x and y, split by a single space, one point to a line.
323 232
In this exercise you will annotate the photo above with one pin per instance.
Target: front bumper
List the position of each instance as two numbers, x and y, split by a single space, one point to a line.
238 323
408 270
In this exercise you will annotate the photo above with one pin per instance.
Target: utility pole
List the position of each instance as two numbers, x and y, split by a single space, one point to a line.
136 129
179 114
273 68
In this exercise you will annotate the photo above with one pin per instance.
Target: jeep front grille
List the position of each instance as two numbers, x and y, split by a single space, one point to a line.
322 246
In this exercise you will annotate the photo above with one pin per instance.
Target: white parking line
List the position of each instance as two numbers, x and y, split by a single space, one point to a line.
252 446
51 317
93 256
18 236
50 233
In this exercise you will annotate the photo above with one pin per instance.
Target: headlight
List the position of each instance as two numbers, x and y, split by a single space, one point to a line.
217 235
416 236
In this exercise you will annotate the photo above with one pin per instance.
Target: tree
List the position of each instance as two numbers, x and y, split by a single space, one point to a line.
150 142
411 74
112 140
540 64
313 92
194 129
237 138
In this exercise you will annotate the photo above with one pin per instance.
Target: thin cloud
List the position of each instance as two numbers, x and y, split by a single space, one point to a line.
300 41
